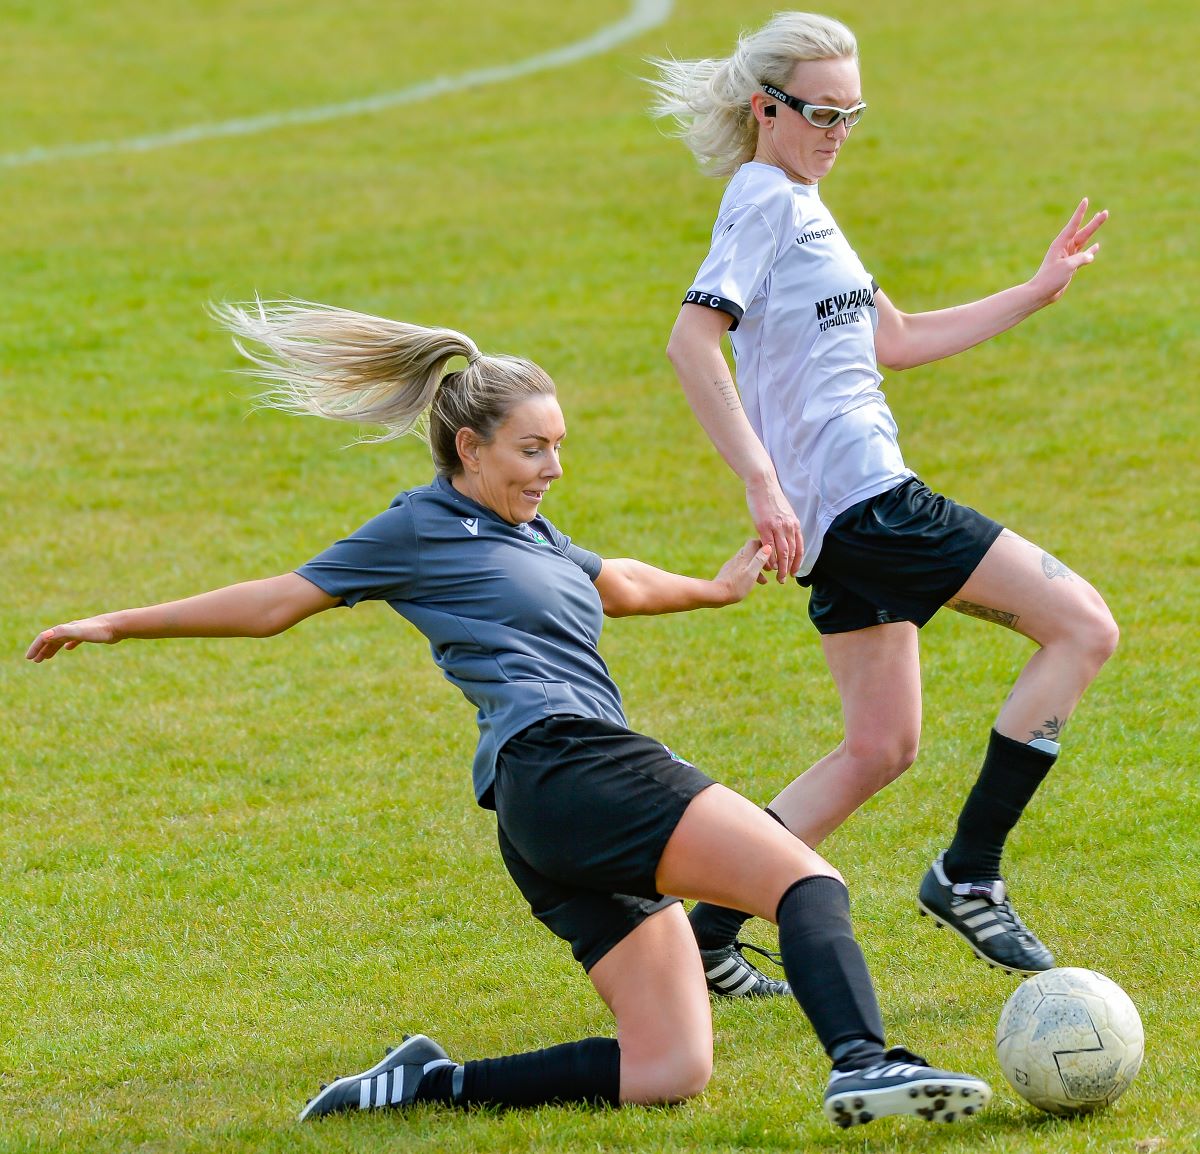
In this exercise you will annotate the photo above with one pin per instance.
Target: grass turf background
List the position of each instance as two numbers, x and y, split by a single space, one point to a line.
232 869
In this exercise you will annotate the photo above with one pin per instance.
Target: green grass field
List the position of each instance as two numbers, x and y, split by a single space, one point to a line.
232 869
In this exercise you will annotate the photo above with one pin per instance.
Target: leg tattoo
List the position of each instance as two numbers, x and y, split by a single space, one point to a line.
1051 729
1053 567
995 616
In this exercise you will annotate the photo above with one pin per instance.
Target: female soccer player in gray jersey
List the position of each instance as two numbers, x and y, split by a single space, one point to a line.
809 432
596 823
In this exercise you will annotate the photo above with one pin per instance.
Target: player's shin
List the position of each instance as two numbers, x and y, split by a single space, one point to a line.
827 971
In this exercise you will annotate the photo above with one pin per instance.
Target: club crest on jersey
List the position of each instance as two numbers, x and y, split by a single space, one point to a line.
533 534
676 758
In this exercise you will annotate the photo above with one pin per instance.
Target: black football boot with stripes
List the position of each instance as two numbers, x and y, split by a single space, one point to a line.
901 1083
981 914
730 975
391 1082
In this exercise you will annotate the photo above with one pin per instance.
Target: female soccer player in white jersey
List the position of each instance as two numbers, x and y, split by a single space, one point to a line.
809 433
596 823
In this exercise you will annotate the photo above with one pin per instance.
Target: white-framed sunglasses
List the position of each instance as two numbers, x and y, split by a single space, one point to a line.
818 115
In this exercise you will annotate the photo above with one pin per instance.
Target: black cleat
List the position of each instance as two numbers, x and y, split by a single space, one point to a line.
730 975
902 1084
981 914
391 1082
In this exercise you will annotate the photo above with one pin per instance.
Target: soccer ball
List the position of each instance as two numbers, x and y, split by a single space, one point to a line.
1069 1040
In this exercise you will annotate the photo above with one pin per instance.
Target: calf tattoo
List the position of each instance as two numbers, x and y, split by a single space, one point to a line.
1053 568
1051 729
984 613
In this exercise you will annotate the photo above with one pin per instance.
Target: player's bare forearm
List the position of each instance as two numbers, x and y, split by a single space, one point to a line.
260 608
249 609
903 340
629 587
695 353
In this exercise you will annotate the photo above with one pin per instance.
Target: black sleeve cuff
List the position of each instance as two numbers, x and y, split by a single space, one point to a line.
721 304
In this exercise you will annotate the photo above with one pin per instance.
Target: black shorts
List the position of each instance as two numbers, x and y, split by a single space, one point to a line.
584 810
896 557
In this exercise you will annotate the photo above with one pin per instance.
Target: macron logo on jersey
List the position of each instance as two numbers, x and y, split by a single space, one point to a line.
471 524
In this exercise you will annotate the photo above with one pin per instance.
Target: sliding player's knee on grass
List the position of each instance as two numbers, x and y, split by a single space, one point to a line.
665 1073
653 982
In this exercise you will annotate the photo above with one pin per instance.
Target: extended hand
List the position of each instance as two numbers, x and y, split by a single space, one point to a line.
744 569
47 643
1070 251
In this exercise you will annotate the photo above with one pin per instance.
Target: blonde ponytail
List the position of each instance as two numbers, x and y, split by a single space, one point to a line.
348 366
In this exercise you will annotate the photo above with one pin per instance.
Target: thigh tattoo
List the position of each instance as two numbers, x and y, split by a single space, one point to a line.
983 612
1052 567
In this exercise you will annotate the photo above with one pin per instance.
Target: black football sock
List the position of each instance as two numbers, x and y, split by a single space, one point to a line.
1011 774
587 1071
437 1085
827 971
717 926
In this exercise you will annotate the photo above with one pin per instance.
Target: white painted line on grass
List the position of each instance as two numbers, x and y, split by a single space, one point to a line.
643 15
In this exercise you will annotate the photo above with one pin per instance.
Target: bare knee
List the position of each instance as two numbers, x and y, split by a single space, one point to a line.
877 759
1104 636
665 1076
690 1074
1093 635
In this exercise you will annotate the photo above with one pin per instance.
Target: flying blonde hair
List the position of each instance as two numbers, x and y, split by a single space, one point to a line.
709 100
323 361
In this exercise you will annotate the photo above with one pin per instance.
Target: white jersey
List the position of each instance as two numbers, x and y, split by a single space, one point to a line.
803 339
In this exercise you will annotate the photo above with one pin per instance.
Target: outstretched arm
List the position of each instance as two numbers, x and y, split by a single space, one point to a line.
628 587
695 351
250 609
903 340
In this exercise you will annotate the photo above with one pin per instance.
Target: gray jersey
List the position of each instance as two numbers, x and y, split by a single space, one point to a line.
510 611
803 335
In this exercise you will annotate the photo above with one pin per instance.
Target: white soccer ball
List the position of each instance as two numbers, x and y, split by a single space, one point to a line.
1069 1040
